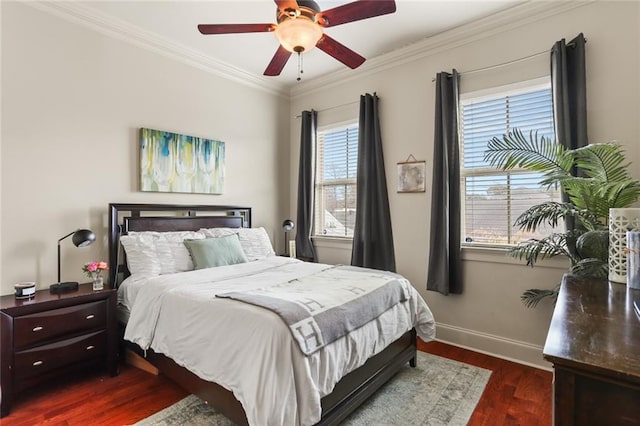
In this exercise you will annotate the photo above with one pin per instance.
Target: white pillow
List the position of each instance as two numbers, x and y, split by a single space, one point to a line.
157 253
255 242
179 259
218 232
141 254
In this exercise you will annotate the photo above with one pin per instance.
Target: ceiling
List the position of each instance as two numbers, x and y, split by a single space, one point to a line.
174 24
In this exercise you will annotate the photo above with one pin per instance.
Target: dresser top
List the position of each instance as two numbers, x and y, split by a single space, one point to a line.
594 327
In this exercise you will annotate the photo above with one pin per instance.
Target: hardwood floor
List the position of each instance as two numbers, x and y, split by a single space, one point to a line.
96 399
515 395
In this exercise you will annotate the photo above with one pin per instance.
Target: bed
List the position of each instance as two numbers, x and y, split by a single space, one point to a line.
291 387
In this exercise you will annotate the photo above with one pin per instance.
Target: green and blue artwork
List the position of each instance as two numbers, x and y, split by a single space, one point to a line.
170 162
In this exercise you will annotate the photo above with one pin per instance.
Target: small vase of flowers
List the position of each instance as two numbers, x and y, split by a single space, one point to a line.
94 271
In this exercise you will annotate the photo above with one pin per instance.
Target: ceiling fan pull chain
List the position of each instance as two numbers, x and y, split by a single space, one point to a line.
300 70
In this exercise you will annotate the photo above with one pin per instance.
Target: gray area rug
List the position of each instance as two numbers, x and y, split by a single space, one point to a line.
438 391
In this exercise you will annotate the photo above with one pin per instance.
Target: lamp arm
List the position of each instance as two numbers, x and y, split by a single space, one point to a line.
59 258
66 236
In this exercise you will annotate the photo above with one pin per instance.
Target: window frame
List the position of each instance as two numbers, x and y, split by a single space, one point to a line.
330 127
480 96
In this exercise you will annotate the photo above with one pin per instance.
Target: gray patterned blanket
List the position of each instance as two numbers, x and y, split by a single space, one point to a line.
321 308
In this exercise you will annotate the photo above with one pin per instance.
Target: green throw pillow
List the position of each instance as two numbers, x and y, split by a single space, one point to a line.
212 252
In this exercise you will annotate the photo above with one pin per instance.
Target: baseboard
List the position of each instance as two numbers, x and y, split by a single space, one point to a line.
489 344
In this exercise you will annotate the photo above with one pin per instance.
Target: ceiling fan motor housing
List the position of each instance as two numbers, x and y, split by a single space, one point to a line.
308 8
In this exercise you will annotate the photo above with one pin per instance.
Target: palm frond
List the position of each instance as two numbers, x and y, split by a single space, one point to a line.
538 154
550 213
604 162
534 250
620 194
585 194
533 296
590 267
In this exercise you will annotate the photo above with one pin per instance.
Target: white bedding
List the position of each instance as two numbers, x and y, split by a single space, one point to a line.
249 350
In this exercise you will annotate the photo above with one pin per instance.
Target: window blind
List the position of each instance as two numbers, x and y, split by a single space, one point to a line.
493 198
336 172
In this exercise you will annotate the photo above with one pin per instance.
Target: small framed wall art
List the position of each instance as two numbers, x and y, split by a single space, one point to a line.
170 162
411 175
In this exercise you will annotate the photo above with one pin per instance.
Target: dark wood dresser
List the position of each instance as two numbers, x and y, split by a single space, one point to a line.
55 334
594 345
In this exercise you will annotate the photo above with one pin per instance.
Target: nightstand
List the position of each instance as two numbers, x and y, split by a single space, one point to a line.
51 335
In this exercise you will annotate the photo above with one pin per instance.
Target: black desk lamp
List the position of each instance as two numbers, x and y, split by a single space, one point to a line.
81 238
287 225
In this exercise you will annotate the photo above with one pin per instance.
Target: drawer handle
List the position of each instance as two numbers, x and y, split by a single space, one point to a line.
38 328
90 347
37 363
90 316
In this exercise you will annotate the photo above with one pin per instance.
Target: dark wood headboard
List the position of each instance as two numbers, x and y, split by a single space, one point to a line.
166 217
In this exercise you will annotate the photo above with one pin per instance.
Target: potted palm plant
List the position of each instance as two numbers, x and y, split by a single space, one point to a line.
603 182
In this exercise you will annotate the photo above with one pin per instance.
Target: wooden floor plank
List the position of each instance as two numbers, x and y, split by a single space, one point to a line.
515 395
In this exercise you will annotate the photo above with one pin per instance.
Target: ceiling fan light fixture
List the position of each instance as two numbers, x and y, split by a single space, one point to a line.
298 34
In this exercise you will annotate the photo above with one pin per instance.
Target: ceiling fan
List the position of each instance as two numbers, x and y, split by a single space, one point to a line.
300 29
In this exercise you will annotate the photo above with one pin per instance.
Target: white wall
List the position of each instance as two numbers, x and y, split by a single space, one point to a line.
73 101
488 316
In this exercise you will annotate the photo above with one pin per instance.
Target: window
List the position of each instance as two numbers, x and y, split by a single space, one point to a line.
492 198
336 168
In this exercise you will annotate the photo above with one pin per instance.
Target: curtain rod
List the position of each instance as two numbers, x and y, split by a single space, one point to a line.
332 107
515 61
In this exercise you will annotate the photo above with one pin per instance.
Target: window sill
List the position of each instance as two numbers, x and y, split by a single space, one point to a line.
499 255
332 242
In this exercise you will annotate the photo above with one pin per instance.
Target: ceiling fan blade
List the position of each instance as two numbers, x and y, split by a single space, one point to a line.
356 11
340 52
235 28
277 62
286 4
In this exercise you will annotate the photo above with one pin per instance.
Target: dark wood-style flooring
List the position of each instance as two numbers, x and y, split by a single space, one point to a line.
515 395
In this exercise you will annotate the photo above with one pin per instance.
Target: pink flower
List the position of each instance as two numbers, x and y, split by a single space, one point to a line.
94 269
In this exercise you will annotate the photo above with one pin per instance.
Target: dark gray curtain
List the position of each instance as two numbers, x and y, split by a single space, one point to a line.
372 236
569 90
304 246
445 266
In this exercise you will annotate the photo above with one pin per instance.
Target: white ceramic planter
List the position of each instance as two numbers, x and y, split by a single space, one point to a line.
621 221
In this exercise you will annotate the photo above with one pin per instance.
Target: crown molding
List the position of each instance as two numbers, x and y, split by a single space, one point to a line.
511 18
115 28
517 16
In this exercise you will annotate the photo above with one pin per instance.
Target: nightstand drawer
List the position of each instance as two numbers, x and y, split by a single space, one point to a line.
34 328
45 358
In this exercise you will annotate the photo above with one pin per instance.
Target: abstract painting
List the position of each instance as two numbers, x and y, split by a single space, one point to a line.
170 162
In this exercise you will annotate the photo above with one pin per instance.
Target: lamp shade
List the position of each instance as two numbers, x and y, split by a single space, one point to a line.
288 225
83 237
298 34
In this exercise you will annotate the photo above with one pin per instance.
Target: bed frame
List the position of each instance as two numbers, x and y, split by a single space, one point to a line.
351 391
